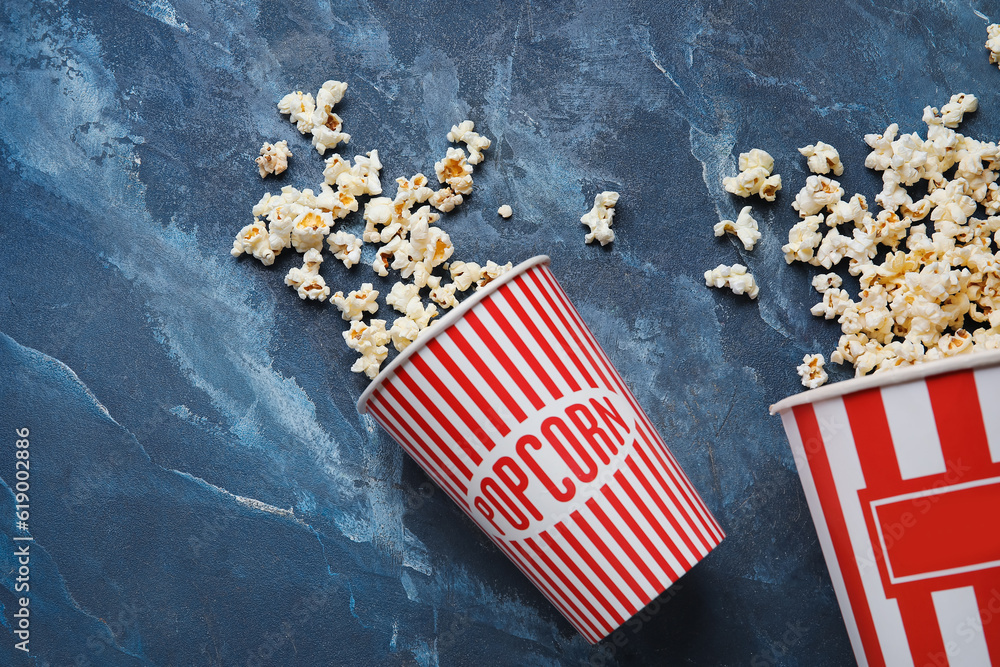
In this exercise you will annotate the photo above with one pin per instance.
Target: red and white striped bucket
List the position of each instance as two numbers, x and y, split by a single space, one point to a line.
512 407
902 475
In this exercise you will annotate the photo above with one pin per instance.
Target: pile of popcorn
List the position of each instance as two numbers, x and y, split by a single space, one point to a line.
928 267
403 228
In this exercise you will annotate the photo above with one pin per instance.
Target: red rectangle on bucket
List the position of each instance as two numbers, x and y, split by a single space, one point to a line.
942 531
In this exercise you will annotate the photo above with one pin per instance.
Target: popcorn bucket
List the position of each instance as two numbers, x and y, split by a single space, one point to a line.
510 405
902 474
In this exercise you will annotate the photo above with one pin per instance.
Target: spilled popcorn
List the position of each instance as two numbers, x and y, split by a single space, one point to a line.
745 228
734 277
927 266
403 228
993 42
755 177
811 371
599 218
273 158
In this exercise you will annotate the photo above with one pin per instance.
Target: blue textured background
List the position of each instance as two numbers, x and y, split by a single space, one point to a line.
204 492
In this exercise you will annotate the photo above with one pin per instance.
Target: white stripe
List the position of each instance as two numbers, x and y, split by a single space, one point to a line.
834 426
914 431
585 569
436 472
520 361
658 515
493 364
961 627
568 337
594 549
449 443
661 547
649 591
553 595
604 620
471 407
554 336
697 522
823 533
988 388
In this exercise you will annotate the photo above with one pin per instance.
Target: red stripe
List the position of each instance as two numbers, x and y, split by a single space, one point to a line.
923 633
504 360
419 442
411 449
955 402
445 422
533 574
557 293
873 440
687 490
626 516
826 489
691 527
657 524
540 338
608 551
599 617
625 543
434 345
684 532
570 563
588 629
691 505
687 487
545 315
988 599
453 402
502 321
585 554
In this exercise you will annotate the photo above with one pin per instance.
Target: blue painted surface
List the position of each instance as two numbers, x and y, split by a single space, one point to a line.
203 491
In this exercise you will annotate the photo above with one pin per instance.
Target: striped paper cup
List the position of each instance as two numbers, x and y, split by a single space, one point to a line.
902 474
511 406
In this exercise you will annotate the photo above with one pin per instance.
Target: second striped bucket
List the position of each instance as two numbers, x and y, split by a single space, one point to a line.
511 406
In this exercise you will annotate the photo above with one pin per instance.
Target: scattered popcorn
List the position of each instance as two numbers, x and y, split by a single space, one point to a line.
755 176
310 228
409 241
444 295
401 295
307 281
825 281
734 277
505 211
745 228
463 132
465 274
445 199
993 42
403 332
254 240
299 108
346 247
915 302
326 125
811 371
357 303
455 171
803 239
491 272
371 341
818 193
600 218
273 158
822 159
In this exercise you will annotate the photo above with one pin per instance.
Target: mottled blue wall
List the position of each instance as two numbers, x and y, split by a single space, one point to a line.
203 491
